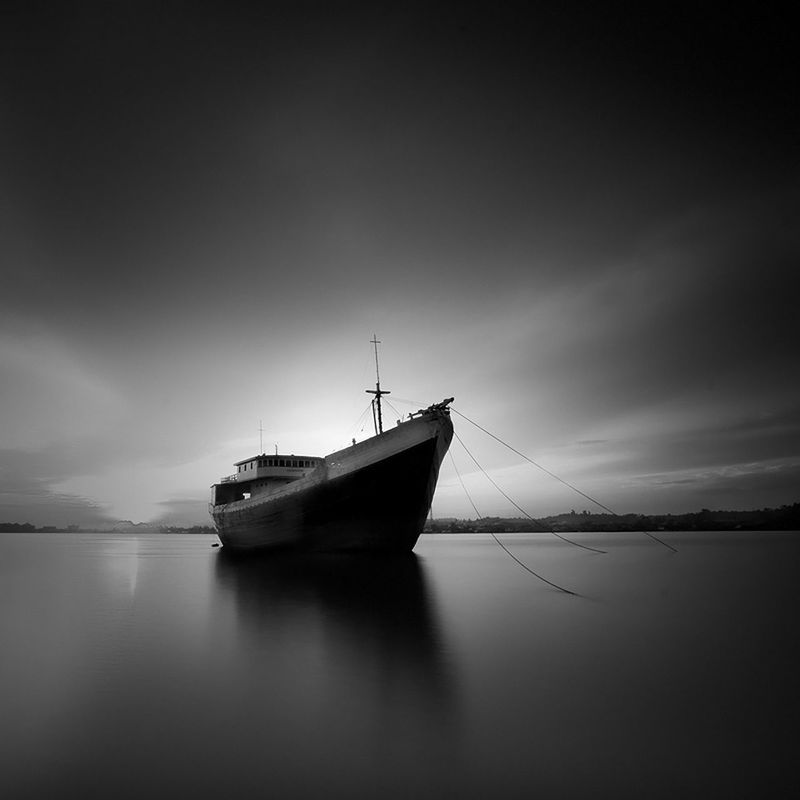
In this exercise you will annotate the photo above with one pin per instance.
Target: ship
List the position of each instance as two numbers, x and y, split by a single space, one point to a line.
372 496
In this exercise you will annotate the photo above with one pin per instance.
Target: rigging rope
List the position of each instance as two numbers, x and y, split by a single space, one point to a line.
363 415
535 521
524 566
553 475
478 514
417 403
399 415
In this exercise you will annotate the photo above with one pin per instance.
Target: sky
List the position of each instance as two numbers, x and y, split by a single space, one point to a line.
580 220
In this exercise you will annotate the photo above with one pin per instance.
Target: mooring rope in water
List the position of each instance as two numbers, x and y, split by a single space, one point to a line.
478 514
553 475
535 574
519 508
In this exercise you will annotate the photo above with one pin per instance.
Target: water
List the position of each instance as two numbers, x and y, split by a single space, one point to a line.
150 666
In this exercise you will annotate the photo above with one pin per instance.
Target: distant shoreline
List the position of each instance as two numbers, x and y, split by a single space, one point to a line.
26 527
785 518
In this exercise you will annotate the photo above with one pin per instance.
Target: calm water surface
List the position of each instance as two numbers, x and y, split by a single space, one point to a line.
155 666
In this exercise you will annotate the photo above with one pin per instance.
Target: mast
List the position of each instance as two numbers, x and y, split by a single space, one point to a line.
377 391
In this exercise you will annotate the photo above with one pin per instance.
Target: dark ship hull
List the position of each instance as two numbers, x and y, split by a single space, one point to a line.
373 496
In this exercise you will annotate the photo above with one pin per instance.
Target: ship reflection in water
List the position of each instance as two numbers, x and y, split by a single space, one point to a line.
158 667
352 669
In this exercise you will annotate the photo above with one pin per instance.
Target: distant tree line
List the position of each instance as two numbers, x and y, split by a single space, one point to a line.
27 527
785 518
193 529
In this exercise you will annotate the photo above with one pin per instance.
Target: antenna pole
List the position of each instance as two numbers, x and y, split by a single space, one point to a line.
376 341
377 391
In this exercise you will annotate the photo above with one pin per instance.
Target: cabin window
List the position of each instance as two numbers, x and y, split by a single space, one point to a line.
281 463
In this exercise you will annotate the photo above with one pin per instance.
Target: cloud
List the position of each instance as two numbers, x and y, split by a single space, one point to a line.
48 392
586 239
28 497
761 484
183 512
703 309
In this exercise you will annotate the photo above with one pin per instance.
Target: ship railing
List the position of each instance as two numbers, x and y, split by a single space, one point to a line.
228 479
443 406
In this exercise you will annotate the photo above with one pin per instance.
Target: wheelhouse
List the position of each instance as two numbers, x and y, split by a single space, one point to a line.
262 474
